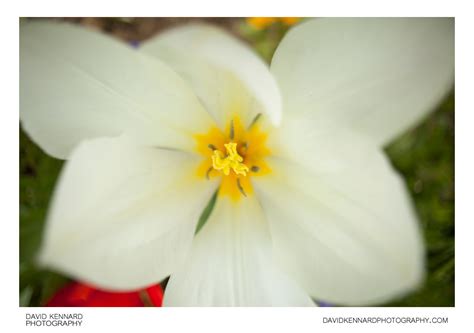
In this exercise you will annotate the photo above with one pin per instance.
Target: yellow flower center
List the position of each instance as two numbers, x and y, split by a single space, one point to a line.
235 154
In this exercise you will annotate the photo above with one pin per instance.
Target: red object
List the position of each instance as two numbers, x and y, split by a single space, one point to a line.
82 295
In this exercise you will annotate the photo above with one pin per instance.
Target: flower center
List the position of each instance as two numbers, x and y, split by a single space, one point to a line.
234 154
232 161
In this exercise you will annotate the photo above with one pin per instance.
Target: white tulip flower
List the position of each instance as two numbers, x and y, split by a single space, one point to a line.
308 205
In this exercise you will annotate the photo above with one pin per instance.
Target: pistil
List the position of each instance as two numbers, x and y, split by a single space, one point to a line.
231 161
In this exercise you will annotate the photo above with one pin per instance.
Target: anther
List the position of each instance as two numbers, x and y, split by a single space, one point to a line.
255 168
241 189
208 172
211 147
231 134
255 119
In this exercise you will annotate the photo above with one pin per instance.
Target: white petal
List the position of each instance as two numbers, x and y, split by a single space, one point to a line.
77 84
380 76
123 216
212 61
231 264
328 152
348 237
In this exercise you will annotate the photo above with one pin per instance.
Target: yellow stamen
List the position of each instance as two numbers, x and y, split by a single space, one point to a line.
232 161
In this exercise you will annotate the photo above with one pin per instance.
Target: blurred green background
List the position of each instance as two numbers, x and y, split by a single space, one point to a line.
424 156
